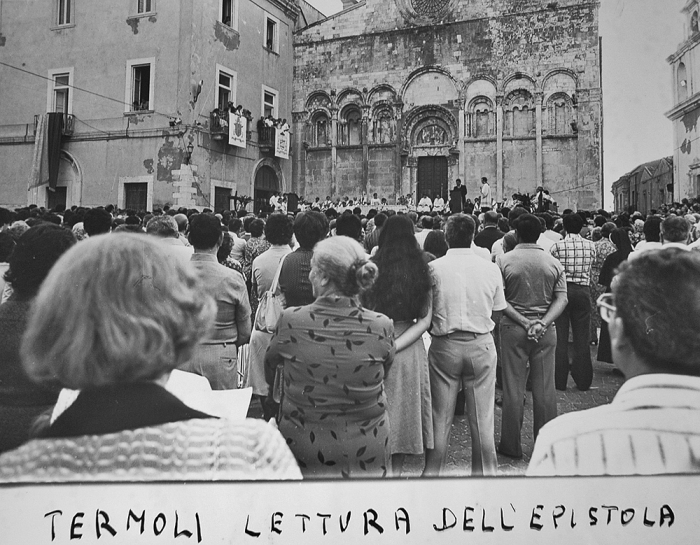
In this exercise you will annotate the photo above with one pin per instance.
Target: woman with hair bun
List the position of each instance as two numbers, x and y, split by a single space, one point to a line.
334 354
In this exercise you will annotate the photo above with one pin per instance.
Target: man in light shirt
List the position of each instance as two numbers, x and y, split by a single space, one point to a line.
652 425
467 301
485 195
576 254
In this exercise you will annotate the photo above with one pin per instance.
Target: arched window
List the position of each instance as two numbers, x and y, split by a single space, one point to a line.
519 113
682 82
350 127
481 118
694 22
320 130
383 126
560 113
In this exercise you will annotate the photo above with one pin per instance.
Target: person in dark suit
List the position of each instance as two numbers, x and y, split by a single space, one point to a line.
458 197
490 233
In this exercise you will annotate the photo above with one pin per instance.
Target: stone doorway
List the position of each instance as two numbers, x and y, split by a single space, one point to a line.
266 183
432 177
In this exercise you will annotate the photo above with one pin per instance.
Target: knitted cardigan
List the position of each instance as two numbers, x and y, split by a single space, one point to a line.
197 449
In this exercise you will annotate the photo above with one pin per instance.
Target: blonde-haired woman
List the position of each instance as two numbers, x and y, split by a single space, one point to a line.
334 353
112 319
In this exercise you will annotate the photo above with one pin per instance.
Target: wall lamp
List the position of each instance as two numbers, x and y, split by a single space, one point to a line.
188 153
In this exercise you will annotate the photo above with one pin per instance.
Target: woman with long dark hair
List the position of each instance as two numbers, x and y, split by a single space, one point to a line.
620 238
403 292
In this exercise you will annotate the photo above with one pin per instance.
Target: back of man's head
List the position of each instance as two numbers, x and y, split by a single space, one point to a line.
491 218
380 220
163 226
235 225
413 217
349 225
675 229
182 222
459 231
573 223
205 231
649 292
652 229
528 228
97 221
514 214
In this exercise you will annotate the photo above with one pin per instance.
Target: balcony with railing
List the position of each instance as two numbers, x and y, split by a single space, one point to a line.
218 125
266 137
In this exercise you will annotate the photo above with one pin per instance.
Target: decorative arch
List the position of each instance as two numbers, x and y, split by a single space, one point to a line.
378 90
560 71
519 77
318 99
274 165
694 22
320 128
76 183
559 108
481 77
424 70
350 95
383 119
350 125
430 126
481 117
519 113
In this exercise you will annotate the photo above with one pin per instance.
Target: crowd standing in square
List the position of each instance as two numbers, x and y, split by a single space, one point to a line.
325 313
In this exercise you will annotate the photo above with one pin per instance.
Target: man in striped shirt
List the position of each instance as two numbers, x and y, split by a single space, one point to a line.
576 254
652 425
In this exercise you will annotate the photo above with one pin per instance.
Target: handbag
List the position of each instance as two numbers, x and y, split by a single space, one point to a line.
271 305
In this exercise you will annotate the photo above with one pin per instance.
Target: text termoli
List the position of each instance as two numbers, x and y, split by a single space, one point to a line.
167 526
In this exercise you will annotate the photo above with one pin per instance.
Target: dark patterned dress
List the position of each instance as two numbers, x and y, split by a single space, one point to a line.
333 412
253 248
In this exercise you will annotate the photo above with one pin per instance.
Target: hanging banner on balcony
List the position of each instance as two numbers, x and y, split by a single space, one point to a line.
282 144
237 127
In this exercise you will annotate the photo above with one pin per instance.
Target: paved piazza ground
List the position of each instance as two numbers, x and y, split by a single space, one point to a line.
605 386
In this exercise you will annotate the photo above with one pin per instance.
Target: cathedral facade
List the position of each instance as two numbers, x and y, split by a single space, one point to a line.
400 97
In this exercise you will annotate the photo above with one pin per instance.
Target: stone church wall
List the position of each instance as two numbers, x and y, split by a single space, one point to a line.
507 89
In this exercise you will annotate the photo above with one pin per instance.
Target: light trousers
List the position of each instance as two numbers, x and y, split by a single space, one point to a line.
468 359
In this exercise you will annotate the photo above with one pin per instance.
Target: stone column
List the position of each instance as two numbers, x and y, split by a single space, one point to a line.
500 197
364 134
538 136
461 146
334 149
398 144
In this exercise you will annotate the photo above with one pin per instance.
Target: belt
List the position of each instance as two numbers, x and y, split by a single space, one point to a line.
462 335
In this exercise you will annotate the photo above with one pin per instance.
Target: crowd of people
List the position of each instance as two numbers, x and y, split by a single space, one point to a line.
326 316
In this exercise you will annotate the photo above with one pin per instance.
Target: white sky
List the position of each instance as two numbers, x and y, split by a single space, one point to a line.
638 36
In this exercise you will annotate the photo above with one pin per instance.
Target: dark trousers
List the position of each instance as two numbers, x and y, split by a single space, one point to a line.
516 351
578 314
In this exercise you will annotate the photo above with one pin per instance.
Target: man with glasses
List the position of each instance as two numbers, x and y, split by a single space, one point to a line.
652 425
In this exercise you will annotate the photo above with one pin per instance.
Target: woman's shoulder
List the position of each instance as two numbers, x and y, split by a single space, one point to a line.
215 449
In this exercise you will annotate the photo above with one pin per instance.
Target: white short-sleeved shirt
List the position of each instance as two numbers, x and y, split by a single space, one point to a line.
466 290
